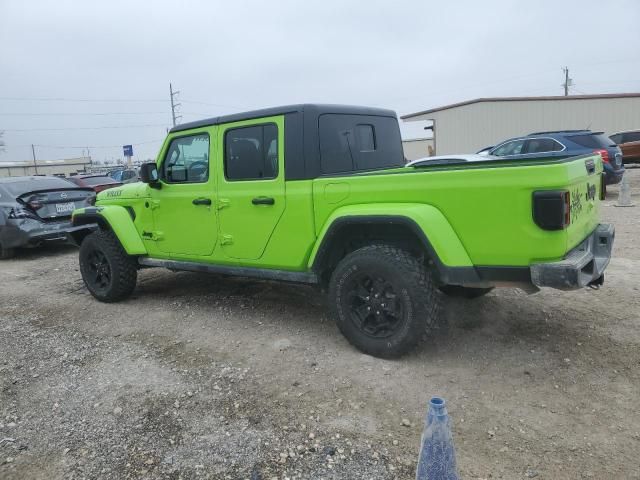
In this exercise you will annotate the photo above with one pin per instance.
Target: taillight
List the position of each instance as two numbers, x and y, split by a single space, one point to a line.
604 154
19 212
567 209
552 209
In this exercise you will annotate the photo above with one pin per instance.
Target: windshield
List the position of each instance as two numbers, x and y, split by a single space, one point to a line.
21 187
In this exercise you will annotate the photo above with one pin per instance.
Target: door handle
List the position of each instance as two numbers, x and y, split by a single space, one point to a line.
201 201
263 201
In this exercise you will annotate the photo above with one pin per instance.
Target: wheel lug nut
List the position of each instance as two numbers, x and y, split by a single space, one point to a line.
377 312
368 308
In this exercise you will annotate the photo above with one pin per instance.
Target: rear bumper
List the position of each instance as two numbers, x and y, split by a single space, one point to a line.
582 266
611 176
28 232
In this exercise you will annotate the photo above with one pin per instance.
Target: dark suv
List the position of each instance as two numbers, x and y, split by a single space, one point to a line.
565 143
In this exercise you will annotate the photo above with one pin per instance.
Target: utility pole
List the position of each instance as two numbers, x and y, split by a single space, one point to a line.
33 152
567 81
174 105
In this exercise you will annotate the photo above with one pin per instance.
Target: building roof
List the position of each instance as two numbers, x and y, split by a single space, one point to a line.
316 109
521 99
47 163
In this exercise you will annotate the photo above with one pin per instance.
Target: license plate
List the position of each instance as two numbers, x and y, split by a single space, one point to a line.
65 207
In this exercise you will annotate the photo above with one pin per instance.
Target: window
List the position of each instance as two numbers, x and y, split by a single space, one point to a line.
351 143
592 140
251 153
543 145
631 137
187 160
20 187
98 180
365 138
510 148
128 175
617 138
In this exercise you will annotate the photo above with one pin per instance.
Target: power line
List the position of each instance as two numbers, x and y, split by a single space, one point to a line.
214 104
56 114
95 100
81 128
90 146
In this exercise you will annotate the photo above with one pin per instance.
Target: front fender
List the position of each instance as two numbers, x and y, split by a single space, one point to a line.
116 219
429 222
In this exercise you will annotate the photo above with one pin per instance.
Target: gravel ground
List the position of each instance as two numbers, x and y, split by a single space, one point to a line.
210 377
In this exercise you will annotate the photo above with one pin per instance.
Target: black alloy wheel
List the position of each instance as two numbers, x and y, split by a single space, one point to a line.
375 307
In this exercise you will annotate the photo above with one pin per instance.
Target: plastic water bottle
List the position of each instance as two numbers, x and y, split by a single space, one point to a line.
437 460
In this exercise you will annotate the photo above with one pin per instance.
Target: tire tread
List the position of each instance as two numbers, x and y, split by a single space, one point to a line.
425 296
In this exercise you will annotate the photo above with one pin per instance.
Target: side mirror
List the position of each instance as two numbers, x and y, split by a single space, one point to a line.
149 174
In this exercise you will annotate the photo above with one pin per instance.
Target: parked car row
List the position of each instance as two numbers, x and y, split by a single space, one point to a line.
629 143
36 210
614 151
563 144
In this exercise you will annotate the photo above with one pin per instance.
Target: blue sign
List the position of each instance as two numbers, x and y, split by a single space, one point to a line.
128 150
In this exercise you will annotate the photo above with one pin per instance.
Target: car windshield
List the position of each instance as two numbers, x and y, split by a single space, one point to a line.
92 181
21 187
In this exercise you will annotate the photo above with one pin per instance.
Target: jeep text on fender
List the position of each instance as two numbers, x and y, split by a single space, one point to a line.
320 194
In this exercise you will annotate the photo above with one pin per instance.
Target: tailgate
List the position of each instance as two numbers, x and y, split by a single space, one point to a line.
59 204
586 189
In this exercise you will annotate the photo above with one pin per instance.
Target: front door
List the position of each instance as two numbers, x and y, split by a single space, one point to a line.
183 208
251 185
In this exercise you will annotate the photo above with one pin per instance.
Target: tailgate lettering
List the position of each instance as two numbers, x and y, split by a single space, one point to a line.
576 204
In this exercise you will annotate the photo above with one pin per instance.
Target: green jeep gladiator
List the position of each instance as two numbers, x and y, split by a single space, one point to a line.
320 194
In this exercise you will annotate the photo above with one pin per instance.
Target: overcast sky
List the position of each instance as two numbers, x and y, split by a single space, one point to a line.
70 69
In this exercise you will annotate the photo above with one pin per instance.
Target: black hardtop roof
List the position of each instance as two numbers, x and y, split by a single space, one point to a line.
313 108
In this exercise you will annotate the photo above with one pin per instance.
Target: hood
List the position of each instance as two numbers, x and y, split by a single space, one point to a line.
129 190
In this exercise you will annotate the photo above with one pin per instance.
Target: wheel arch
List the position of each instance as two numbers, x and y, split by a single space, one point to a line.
420 229
114 218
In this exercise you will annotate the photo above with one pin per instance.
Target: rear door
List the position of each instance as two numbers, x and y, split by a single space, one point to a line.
251 185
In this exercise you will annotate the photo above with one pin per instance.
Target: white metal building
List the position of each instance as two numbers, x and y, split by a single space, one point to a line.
467 127
45 167
415 148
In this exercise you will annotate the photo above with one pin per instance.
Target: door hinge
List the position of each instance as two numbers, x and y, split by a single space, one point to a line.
226 240
223 202
155 236
153 204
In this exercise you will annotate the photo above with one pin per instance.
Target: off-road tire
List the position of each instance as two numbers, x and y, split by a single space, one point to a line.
6 253
414 291
122 268
469 293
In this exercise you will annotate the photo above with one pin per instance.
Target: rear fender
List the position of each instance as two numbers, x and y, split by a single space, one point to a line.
114 218
434 231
